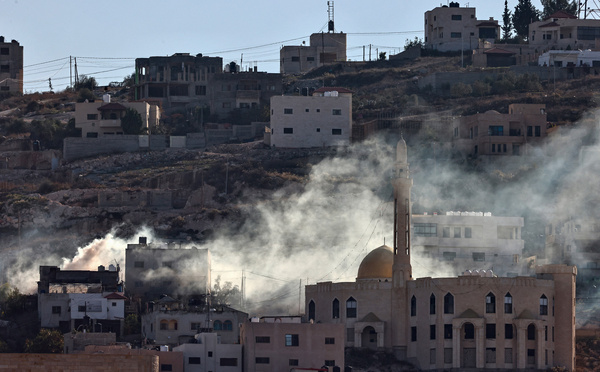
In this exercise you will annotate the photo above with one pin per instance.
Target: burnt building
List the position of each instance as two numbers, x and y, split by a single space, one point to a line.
11 66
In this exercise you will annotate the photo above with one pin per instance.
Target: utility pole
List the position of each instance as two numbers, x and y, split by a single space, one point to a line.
71 71
363 53
299 295
370 52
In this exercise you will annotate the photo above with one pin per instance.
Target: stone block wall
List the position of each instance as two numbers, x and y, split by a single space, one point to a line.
78 363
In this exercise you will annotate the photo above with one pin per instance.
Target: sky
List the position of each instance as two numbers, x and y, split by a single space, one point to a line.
106 37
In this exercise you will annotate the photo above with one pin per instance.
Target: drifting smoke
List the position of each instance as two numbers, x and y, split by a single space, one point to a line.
345 210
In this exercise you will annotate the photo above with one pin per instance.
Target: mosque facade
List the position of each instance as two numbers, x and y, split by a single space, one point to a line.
476 320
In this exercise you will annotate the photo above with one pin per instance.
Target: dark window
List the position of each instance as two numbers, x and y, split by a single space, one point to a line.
4 68
227 325
456 17
468 233
537 131
413 306
588 33
330 363
329 340
493 147
413 334
5 87
200 90
448 304
4 51
543 305
92 116
446 232
425 229
432 304
318 130
529 131
56 309
490 331
166 367
228 362
288 130
335 309
479 256
194 360
351 308
311 310
296 59
448 331
293 362
531 332
449 256
490 303
503 147
469 331
288 111
432 331
310 59
291 340
210 354
455 35
508 304
138 264
81 308
508 331
337 112
336 132
261 360
263 339
530 356
218 325
496 130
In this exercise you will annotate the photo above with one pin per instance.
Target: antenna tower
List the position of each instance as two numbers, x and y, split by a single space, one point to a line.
330 23
583 11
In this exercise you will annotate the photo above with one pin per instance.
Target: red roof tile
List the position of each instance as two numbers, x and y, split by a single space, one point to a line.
115 296
561 14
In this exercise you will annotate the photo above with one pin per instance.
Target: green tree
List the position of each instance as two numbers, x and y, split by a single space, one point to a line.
553 6
525 14
85 94
382 56
88 82
133 325
414 43
48 341
11 301
506 22
226 293
131 122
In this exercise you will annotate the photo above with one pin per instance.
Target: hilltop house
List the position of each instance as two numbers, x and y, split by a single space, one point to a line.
562 30
11 67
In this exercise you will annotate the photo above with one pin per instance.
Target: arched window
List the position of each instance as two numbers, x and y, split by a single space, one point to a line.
335 309
217 325
543 305
311 310
227 325
531 332
508 303
490 303
164 325
432 304
413 306
351 308
173 325
448 304
469 331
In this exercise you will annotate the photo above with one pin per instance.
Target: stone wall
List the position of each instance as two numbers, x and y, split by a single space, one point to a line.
78 362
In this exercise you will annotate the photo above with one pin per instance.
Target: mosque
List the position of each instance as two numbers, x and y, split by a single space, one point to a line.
473 321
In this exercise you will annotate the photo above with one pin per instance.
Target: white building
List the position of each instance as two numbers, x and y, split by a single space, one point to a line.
565 58
562 30
471 241
324 119
209 354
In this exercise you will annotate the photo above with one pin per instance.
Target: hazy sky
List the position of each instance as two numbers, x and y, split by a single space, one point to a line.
125 30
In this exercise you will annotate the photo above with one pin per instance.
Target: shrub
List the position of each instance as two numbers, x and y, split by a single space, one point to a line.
460 90
481 88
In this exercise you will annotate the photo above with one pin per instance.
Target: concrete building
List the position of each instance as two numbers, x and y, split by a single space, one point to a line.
166 360
491 133
84 362
153 270
209 354
452 28
97 119
471 241
562 30
285 343
324 48
324 119
570 58
172 322
184 82
11 67
470 321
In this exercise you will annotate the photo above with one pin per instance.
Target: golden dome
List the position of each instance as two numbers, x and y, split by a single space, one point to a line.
377 264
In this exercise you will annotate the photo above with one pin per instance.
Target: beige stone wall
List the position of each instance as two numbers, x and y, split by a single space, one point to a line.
78 363
150 116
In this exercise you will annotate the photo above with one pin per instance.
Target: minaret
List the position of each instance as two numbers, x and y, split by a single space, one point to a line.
402 183
401 269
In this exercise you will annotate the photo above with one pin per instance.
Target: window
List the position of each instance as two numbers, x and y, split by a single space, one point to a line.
81 308
479 256
447 331
448 304
468 233
432 331
413 334
432 304
200 90
310 59
336 112
217 325
195 326
425 229
166 367
456 17
537 131
446 232
531 332
318 130
227 325
4 51
228 362
92 116
496 130
530 356
291 340
335 309
529 131
508 304
113 304
4 68
293 362
545 333
351 308
210 354
306 110
448 355
508 355
449 256
318 110
4 87
194 360
493 147
263 339
543 305
311 310
413 306
490 303
330 363
56 309
503 147
469 331
336 132
288 111
295 59
490 331
455 35
329 340
288 130
261 360
164 325
490 355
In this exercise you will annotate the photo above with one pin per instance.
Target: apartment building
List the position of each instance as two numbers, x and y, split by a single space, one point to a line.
11 66
208 353
324 48
564 31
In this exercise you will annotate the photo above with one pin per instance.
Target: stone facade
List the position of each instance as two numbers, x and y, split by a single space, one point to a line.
78 362
11 67
562 31
324 48
208 354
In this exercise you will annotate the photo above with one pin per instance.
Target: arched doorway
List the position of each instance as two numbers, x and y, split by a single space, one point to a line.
369 338
468 346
